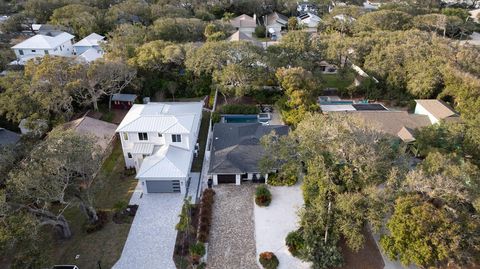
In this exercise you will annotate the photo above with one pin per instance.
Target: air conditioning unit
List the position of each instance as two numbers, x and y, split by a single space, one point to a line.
196 153
197 146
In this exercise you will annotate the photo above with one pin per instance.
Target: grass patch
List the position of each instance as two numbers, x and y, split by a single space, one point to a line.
338 81
202 140
105 246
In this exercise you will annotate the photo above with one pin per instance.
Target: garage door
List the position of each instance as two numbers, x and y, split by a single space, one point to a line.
159 186
226 179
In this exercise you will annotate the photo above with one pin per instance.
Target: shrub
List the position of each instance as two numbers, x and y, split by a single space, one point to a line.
268 260
205 215
260 31
294 242
99 224
282 180
263 197
239 109
216 117
120 206
196 252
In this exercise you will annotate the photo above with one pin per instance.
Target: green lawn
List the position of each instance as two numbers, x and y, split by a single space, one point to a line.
106 245
202 140
336 81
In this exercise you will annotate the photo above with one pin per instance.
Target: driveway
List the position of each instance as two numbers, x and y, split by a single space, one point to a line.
273 223
151 239
232 235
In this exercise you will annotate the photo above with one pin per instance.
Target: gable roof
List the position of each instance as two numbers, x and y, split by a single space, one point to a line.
44 41
236 146
239 36
102 131
392 122
243 21
124 97
438 108
172 117
166 162
91 55
276 17
8 137
91 40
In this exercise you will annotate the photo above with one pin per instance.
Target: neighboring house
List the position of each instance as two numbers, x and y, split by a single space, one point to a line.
239 36
275 23
309 22
123 100
436 110
89 49
245 24
327 68
8 137
159 141
236 151
397 123
306 7
370 5
39 45
102 131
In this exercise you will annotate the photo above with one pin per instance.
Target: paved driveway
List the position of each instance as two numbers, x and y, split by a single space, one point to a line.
232 235
151 239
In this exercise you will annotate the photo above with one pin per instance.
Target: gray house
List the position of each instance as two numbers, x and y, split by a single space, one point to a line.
236 151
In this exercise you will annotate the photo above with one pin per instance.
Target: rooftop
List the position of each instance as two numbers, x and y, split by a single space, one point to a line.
172 117
236 147
44 41
8 137
243 21
438 108
91 40
166 162
102 131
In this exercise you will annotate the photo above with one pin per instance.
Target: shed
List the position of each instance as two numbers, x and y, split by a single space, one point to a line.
123 100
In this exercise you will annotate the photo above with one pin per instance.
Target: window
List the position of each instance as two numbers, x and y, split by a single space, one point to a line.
176 138
125 136
34 51
20 52
129 155
160 135
46 52
142 136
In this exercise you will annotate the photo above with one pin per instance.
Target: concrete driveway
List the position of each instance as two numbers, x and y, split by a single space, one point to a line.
151 239
274 222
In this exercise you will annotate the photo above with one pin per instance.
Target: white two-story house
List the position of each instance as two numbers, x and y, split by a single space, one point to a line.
89 48
54 43
159 141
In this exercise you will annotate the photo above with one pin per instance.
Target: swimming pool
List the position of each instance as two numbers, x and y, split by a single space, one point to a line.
244 118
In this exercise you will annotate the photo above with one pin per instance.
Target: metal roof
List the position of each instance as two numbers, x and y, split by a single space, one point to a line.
44 41
143 148
168 162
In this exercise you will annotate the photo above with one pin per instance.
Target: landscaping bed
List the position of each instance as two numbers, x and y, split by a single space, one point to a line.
186 239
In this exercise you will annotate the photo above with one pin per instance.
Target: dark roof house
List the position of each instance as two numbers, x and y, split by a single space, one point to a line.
236 147
8 137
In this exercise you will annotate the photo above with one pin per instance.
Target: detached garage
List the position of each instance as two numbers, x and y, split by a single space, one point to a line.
172 163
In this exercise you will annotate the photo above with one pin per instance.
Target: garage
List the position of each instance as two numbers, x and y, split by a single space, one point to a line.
162 186
226 179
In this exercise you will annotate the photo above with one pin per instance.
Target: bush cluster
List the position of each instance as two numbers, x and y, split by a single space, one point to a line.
197 251
239 109
282 180
205 220
268 260
263 197
99 224
294 242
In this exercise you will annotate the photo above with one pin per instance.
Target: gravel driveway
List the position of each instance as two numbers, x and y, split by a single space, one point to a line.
232 235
